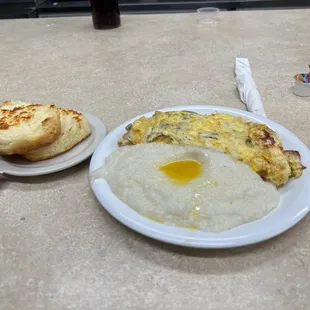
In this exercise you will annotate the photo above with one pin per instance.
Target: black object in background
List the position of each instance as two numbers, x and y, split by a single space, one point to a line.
17 9
55 8
105 14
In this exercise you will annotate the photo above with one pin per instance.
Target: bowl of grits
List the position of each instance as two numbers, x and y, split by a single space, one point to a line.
188 187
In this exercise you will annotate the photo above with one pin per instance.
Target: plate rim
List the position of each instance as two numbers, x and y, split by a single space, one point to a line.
99 133
98 184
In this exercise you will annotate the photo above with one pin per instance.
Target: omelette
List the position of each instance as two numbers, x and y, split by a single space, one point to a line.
253 144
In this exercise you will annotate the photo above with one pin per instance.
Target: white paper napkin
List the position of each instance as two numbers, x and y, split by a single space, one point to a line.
247 87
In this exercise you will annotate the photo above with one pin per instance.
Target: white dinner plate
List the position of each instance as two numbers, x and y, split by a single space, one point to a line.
15 165
293 206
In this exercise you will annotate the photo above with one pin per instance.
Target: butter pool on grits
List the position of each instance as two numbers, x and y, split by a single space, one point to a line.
187 186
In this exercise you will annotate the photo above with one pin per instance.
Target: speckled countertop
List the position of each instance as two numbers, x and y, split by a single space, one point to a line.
58 248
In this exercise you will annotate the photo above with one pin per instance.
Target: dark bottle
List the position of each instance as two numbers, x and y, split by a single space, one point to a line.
105 14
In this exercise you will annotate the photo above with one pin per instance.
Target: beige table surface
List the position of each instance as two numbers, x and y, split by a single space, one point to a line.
59 249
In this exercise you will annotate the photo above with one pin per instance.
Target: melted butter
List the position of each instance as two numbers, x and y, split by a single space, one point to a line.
154 220
191 227
182 171
196 215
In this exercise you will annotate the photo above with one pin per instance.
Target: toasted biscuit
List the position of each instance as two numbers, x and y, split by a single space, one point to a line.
25 126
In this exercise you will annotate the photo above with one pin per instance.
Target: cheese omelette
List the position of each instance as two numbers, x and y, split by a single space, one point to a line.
254 144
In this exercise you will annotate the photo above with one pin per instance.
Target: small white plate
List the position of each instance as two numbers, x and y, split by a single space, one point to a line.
294 202
16 165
